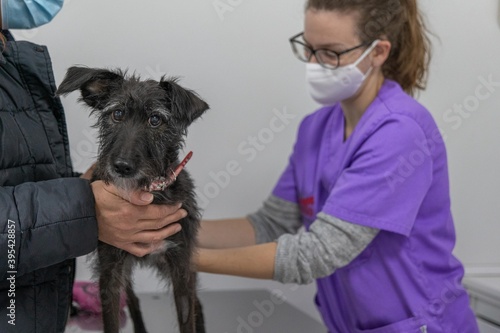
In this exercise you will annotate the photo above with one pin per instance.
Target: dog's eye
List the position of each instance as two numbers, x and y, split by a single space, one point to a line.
118 115
155 120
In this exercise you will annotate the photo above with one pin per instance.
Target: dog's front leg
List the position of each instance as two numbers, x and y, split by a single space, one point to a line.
133 304
184 297
111 283
177 267
198 310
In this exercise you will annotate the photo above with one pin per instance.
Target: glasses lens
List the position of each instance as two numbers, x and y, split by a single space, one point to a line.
327 58
301 51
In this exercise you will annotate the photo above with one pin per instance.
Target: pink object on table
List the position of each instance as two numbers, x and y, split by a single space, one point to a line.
86 297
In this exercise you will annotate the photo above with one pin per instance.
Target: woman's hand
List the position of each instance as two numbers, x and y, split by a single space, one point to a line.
130 222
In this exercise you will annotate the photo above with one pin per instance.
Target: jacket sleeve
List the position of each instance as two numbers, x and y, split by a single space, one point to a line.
44 223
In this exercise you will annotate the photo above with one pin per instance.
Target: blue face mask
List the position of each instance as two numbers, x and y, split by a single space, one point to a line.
28 14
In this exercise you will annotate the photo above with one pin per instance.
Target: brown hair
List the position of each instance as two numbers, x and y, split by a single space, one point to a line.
400 22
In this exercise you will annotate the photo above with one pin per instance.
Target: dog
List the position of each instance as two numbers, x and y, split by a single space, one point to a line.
142 125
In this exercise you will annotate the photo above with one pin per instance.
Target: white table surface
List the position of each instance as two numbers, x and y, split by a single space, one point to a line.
484 285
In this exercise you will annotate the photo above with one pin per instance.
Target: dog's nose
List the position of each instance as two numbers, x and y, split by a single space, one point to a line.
124 168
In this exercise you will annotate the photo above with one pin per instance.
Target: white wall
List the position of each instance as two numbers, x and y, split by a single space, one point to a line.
465 56
239 60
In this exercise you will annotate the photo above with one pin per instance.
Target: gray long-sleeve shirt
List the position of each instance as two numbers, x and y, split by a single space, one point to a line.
303 256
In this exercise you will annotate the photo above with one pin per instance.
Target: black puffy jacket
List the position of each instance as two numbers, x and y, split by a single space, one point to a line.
47 216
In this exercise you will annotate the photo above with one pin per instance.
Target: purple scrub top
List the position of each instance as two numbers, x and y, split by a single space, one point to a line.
390 174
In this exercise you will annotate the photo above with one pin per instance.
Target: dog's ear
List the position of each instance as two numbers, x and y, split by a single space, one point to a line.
95 85
185 104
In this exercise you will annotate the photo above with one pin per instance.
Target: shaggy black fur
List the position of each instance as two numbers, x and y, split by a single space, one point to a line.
142 125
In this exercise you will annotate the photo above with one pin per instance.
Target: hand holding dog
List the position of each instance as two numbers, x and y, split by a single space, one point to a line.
130 222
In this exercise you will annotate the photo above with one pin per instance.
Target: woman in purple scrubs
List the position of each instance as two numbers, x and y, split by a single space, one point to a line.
368 179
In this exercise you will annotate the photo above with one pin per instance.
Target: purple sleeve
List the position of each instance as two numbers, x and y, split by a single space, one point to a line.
387 180
286 188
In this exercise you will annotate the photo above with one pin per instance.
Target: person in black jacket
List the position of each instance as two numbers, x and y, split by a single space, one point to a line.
48 215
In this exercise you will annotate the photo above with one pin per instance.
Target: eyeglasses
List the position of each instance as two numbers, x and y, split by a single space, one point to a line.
325 57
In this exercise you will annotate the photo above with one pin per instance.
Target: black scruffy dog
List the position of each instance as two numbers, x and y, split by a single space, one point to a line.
142 125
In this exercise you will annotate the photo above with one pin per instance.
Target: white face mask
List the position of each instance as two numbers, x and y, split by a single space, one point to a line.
329 86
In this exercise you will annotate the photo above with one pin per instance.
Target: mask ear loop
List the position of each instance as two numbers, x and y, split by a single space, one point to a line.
364 55
367 52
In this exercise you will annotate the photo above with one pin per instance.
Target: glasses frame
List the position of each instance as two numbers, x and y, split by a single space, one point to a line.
293 40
